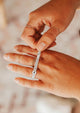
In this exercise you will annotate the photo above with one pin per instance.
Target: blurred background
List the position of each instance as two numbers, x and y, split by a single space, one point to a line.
17 99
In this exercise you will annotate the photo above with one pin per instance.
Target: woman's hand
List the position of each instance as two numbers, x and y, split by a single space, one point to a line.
57 73
57 14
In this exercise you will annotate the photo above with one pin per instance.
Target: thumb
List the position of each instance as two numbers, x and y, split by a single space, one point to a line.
48 38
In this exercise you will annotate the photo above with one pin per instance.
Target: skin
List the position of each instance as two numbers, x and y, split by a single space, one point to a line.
58 73
57 15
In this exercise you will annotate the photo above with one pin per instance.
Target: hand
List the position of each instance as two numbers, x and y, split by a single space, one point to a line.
57 73
57 14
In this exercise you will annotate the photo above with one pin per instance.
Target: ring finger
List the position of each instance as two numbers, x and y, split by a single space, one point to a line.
26 71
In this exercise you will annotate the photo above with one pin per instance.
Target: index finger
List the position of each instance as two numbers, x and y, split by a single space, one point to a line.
32 31
28 36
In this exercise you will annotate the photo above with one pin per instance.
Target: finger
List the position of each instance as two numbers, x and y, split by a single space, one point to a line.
52 45
29 83
26 71
26 49
29 50
46 40
25 60
32 32
28 36
18 58
35 21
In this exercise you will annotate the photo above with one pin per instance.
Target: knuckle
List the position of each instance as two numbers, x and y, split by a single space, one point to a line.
49 34
25 32
20 48
49 67
47 22
33 14
49 38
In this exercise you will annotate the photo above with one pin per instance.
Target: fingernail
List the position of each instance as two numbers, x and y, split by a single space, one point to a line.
6 56
41 46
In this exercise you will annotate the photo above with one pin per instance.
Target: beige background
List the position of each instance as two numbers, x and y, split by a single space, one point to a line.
16 99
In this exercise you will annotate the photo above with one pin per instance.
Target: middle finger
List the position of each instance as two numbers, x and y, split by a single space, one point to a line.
21 59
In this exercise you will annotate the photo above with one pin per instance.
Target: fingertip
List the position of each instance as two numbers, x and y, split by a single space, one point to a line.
41 46
6 56
20 81
18 48
9 66
17 80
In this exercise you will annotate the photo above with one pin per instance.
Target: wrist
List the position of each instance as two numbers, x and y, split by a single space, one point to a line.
76 3
77 92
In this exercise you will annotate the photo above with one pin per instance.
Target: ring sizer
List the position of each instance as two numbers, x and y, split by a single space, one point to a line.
36 66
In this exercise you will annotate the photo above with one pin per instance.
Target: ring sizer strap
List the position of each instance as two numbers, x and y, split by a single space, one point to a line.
36 65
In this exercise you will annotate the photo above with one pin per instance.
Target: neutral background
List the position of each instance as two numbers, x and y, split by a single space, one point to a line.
16 99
